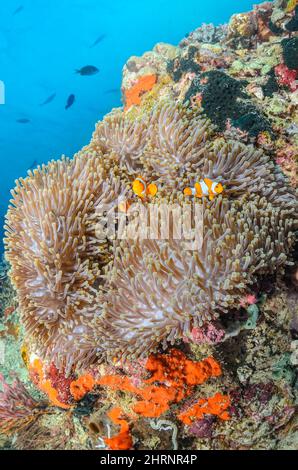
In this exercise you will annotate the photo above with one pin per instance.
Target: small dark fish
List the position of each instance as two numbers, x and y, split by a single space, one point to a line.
70 101
49 99
88 70
112 91
18 10
98 40
33 165
23 120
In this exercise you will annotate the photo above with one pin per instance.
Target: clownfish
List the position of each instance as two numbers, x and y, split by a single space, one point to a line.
203 188
142 189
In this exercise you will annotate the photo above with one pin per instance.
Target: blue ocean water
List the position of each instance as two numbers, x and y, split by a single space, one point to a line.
43 42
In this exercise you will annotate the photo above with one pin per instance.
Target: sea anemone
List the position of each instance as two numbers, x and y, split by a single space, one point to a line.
178 136
52 246
244 170
124 138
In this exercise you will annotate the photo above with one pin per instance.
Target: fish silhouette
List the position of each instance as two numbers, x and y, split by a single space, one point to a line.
49 99
70 101
23 121
88 70
18 10
98 40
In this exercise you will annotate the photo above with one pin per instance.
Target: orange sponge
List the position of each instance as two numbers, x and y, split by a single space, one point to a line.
216 405
81 386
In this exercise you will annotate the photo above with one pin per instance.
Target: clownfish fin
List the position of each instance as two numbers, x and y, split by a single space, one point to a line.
219 188
188 191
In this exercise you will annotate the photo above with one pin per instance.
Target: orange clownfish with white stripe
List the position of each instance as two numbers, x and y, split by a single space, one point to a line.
203 188
142 189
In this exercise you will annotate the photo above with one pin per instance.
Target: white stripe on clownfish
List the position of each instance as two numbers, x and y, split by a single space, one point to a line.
213 187
141 193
